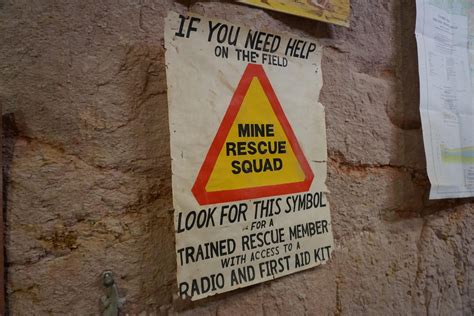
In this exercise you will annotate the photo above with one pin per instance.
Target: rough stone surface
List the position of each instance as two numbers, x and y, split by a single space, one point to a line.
88 179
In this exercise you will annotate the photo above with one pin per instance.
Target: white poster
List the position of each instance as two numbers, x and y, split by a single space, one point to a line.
248 147
445 37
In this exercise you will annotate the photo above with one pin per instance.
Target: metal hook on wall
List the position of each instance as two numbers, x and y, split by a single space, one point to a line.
111 300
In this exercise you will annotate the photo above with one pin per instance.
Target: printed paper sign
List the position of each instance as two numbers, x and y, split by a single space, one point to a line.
445 37
248 149
331 11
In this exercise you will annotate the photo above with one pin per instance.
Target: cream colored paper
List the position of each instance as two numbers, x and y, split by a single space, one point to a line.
283 238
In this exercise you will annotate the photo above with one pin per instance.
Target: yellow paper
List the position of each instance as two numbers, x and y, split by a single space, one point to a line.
331 11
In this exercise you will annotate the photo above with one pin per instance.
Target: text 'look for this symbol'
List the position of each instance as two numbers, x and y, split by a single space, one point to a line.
255 152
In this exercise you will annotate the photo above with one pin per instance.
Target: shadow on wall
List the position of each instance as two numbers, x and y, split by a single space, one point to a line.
9 132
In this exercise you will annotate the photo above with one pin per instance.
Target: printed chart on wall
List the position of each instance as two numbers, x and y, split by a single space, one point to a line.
330 11
248 148
445 37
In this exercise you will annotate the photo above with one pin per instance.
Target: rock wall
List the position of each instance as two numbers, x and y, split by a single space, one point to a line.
88 176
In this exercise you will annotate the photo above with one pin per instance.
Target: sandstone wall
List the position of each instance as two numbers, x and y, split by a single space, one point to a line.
88 179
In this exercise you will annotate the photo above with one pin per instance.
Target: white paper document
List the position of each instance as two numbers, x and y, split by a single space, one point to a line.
445 38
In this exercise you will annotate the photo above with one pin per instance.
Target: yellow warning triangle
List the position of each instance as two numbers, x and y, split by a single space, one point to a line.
233 171
255 152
